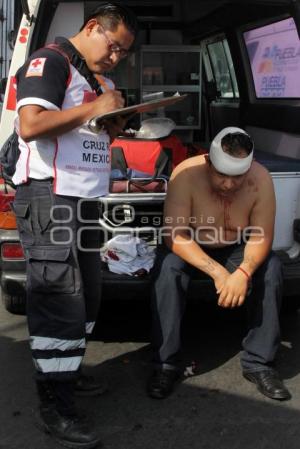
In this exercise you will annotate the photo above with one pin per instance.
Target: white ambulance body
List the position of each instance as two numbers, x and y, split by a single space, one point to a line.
276 143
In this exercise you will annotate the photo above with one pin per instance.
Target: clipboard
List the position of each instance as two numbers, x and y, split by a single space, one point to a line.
96 123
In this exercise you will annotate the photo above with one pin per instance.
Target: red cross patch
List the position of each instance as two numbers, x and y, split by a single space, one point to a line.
36 67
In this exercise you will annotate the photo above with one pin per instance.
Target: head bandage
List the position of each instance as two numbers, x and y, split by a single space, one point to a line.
224 162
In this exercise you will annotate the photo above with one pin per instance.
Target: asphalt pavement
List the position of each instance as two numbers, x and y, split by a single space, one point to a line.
214 408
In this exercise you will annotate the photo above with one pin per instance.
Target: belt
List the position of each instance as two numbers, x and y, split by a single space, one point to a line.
50 179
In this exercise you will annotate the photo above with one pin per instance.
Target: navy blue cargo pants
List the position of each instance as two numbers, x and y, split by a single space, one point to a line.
171 280
63 276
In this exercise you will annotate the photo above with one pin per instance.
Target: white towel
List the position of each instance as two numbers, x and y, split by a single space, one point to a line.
126 254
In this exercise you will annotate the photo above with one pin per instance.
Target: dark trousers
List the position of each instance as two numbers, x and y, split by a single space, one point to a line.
63 280
171 279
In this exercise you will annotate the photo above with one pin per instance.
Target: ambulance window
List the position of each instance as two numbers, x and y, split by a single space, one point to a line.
274 56
223 70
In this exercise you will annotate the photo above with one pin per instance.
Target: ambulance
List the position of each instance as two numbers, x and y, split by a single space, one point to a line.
239 64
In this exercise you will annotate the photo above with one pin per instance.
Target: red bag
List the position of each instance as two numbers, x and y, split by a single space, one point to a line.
146 155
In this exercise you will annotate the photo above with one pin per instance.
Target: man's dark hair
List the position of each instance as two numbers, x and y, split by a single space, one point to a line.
234 143
111 14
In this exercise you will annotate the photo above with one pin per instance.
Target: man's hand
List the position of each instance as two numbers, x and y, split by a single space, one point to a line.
233 291
220 278
108 101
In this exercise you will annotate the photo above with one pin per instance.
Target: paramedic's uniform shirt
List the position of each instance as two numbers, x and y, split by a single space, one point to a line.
78 161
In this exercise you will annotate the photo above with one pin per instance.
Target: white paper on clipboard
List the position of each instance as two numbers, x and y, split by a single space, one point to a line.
96 123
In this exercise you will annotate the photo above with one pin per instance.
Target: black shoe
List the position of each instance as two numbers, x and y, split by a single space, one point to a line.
88 386
269 384
161 383
73 431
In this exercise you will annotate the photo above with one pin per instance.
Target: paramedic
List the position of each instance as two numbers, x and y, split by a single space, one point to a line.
61 163
223 229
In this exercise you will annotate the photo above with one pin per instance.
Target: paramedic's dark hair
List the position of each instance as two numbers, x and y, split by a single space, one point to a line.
111 14
235 142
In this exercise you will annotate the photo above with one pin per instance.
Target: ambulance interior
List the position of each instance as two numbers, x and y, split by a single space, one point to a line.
211 51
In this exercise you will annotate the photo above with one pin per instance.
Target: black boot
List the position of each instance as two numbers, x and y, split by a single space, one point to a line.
60 419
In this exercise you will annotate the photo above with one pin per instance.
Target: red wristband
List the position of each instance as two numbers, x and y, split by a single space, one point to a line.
245 273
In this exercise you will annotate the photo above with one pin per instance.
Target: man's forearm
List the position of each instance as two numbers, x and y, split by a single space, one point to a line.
193 254
50 124
254 255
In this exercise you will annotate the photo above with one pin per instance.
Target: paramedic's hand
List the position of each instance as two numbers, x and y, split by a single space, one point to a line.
233 291
115 127
107 102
